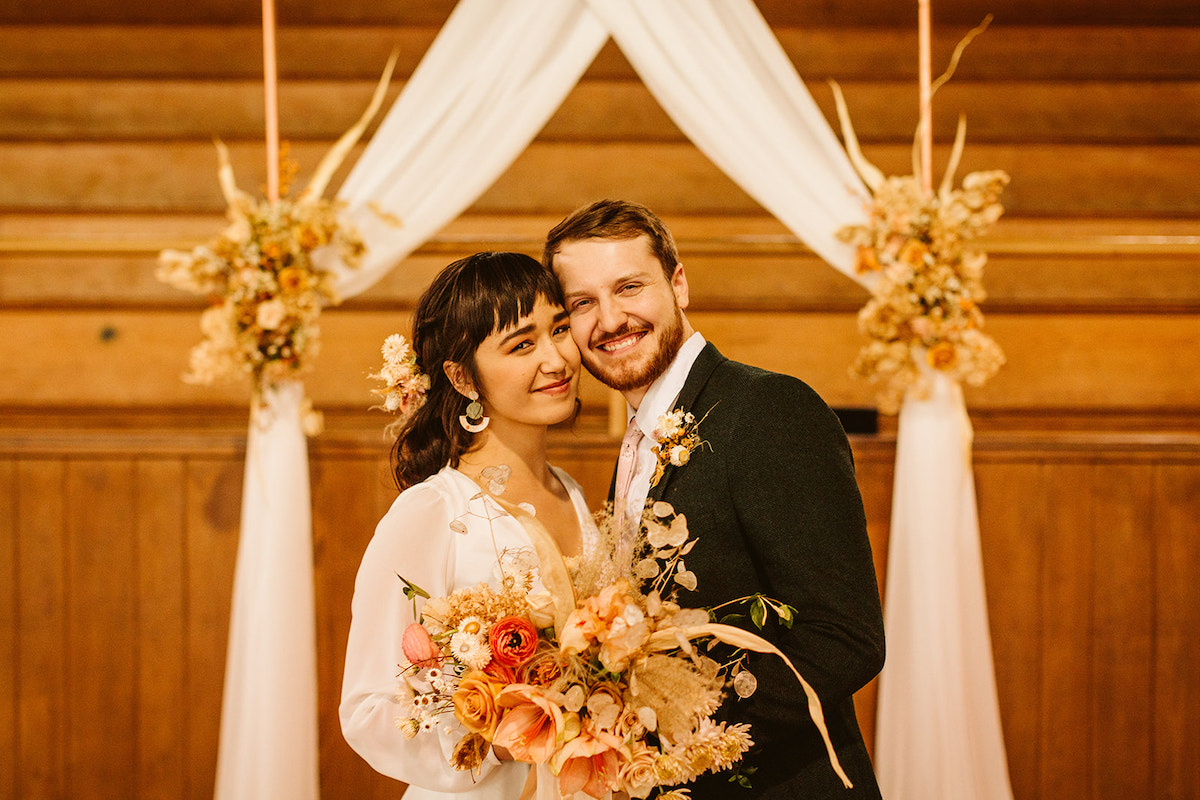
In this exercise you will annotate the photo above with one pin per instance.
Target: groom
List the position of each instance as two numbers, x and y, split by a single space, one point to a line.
770 495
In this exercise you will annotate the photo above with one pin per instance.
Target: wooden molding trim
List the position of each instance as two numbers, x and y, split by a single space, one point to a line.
761 244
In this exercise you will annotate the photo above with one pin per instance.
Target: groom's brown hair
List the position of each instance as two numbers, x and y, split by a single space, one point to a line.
613 219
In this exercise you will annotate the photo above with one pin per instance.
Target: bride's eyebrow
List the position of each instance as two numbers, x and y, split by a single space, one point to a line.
522 331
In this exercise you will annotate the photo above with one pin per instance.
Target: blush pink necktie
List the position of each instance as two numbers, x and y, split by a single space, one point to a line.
625 464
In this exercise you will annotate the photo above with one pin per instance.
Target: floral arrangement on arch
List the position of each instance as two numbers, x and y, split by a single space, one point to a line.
269 273
593 670
924 268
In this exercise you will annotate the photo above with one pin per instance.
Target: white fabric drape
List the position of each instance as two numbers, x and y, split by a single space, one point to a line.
494 75
268 745
719 72
938 731
491 79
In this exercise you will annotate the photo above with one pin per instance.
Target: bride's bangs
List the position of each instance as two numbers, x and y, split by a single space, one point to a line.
506 287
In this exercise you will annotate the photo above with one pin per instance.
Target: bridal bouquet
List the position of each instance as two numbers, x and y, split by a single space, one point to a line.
593 670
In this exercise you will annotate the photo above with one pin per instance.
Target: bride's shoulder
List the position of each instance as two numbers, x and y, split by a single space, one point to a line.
433 496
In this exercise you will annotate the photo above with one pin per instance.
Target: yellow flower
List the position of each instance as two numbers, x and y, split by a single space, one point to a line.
942 356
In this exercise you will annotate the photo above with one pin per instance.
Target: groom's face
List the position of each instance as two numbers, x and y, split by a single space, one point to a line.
626 316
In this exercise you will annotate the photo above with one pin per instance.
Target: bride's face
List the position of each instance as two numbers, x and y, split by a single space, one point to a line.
529 372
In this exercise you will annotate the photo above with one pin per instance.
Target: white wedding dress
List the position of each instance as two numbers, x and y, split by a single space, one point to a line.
414 539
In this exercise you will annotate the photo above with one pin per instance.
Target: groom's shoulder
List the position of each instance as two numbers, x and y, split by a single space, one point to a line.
753 384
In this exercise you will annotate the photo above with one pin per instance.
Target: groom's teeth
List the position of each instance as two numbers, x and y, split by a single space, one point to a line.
612 347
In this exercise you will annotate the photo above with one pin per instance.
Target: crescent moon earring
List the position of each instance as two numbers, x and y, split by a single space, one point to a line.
474 421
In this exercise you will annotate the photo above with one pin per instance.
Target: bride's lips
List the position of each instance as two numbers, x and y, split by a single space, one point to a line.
559 387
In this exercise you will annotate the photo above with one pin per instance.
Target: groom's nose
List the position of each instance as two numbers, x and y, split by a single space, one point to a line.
611 317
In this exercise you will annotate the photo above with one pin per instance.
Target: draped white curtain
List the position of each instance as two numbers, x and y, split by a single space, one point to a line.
491 79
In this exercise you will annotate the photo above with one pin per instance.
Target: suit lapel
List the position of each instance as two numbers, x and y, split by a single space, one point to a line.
708 360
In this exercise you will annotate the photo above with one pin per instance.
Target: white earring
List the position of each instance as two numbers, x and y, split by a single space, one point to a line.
474 421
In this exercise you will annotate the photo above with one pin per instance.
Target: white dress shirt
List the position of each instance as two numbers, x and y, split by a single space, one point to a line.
659 399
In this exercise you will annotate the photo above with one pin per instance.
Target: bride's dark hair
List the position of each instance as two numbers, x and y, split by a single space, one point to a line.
466 302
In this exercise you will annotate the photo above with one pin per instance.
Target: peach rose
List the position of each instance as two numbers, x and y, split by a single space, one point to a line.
637 775
530 725
419 647
475 703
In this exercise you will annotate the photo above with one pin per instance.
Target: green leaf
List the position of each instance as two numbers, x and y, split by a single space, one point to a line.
786 614
758 613
411 590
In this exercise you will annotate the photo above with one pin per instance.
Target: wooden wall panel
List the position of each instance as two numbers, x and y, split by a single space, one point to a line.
1066 719
212 512
124 544
161 676
9 629
1011 503
1123 620
101 620
554 177
345 512
1064 361
1176 601
43 706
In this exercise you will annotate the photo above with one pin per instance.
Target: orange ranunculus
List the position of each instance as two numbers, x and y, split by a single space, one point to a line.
589 763
419 647
475 703
513 640
941 356
530 725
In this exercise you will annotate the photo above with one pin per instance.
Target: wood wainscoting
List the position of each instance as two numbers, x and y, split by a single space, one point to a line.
117 547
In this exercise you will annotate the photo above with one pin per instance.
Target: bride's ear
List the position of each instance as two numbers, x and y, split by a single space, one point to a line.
458 377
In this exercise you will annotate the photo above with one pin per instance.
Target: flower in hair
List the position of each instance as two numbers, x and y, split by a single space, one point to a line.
404 383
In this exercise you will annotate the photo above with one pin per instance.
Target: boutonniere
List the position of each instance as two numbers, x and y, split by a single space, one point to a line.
677 435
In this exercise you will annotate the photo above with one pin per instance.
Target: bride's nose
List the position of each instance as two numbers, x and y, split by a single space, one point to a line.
555 361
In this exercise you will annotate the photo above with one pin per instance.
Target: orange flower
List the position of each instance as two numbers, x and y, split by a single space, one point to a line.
419 647
475 703
589 763
867 261
543 668
513 640
581 629
530 725
941 356
913 253
290 279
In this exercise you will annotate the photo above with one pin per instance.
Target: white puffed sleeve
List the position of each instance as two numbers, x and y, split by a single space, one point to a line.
414 540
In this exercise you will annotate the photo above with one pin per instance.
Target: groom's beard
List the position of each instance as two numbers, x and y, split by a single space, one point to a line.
644 371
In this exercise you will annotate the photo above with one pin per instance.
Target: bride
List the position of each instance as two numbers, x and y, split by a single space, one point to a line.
492 337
